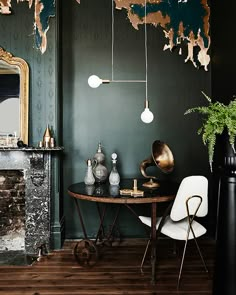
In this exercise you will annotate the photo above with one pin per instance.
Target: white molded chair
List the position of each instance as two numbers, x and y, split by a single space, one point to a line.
191 201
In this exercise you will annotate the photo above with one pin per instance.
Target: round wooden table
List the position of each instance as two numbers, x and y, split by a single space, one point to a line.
104 193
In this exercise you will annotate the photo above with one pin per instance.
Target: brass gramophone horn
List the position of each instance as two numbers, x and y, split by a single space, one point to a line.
161 157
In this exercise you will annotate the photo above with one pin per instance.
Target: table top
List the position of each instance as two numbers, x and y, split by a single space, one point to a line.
106 193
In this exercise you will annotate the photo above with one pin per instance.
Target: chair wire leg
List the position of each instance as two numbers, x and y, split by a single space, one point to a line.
144 255
200 253
181 265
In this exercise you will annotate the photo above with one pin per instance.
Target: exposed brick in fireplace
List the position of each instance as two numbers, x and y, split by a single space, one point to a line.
34 167
12 209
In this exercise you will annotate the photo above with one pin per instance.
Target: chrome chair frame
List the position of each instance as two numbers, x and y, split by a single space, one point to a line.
190 229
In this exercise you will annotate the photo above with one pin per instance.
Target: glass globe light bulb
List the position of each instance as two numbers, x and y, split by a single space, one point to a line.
147 116
94 81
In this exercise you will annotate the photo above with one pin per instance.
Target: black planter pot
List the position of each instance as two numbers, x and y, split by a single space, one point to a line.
225 263
222 155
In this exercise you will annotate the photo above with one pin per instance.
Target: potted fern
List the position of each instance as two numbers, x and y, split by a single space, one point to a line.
217 117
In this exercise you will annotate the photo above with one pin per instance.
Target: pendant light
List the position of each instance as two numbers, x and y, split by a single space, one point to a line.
94 81
146 116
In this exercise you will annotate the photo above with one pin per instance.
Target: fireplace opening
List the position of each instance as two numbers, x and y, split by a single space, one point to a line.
12 210
25 198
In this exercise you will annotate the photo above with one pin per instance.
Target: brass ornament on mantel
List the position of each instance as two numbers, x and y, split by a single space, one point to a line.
161 157
48 141
46 136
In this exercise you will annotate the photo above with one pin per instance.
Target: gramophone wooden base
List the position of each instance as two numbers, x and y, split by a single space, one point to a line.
151 184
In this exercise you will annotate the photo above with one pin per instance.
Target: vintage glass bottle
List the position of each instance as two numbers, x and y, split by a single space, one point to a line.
114 178
89 178
99 169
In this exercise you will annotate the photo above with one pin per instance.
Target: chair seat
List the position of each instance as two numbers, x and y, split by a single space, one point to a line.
191 201
176 230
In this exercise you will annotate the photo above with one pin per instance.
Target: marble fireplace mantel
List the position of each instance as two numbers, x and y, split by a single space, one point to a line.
36 164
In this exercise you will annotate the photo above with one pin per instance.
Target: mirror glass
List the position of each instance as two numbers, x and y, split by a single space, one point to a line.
14 73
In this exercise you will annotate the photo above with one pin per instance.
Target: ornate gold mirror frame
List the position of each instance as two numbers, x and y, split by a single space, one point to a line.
10 63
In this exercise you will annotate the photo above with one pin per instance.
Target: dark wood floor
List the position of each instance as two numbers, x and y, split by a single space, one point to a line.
116 272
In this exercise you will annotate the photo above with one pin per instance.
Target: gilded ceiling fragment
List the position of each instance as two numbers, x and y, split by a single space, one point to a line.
182 21
43 10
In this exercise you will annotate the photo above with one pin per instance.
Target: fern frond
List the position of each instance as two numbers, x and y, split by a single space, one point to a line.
217 117
206 96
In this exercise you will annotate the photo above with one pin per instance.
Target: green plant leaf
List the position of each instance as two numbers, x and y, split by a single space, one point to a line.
216 117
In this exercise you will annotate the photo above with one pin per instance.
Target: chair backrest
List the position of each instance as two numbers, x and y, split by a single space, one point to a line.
195 185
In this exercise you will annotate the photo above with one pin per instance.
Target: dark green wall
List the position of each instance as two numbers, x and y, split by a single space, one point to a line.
223 52
16 37
111 113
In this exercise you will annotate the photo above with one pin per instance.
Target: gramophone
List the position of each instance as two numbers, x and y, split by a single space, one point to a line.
161 157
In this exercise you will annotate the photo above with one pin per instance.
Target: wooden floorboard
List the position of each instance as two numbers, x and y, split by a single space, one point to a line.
116 272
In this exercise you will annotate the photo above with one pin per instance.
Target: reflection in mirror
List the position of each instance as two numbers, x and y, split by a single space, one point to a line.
14 84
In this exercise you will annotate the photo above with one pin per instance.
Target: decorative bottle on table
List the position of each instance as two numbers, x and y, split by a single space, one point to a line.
89 178
114 178
99 169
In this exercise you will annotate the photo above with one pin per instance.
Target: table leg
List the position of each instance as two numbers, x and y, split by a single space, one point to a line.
81 219
101 233
153 238
153 241
85 251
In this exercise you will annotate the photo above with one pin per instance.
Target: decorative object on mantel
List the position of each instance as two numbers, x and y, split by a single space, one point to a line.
46 137
99 169
114 177
48 140
9 140
94 81
161 157
21 144
218 118
43 10
31 149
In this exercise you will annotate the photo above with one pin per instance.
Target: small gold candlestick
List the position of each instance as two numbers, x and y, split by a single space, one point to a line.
46 137
133 192
136 192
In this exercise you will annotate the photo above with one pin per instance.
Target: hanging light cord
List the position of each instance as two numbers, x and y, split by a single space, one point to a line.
112 52
112 44
146 51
